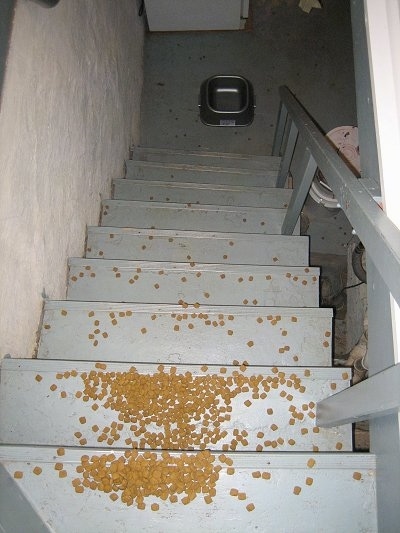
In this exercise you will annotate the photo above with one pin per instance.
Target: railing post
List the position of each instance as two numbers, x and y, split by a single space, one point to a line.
279 130
288 154
303 172
377 396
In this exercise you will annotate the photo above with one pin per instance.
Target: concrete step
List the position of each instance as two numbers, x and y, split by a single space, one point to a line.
197 157
211 284
296 492
200 193
160 407
212 334
200 246
159 215
200 174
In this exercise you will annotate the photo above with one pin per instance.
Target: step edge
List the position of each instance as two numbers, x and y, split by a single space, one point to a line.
131 164
148 149
109 203
195 234
245 460
319 312
342 374
191 185
212 267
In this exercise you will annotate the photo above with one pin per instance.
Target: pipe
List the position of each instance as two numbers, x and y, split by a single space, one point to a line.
357 262
47 3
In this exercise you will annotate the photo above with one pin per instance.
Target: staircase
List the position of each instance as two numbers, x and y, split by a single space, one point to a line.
175 389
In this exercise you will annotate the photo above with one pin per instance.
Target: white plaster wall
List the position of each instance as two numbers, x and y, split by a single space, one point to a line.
70 109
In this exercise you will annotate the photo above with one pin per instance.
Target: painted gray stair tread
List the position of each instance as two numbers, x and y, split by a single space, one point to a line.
200 193
172 283
340 483
271 408
200 174
200 246
172 334
162 215
193 157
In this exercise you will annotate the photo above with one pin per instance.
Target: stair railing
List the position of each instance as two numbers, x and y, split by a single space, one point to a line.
303 149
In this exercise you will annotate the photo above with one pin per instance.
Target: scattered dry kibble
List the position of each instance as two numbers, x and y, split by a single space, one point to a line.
357 476
175 409
135 476
37 470
250 507
296 490
18 474
38 378
311 463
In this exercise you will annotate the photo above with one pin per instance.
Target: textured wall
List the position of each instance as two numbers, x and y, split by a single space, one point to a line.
70 109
